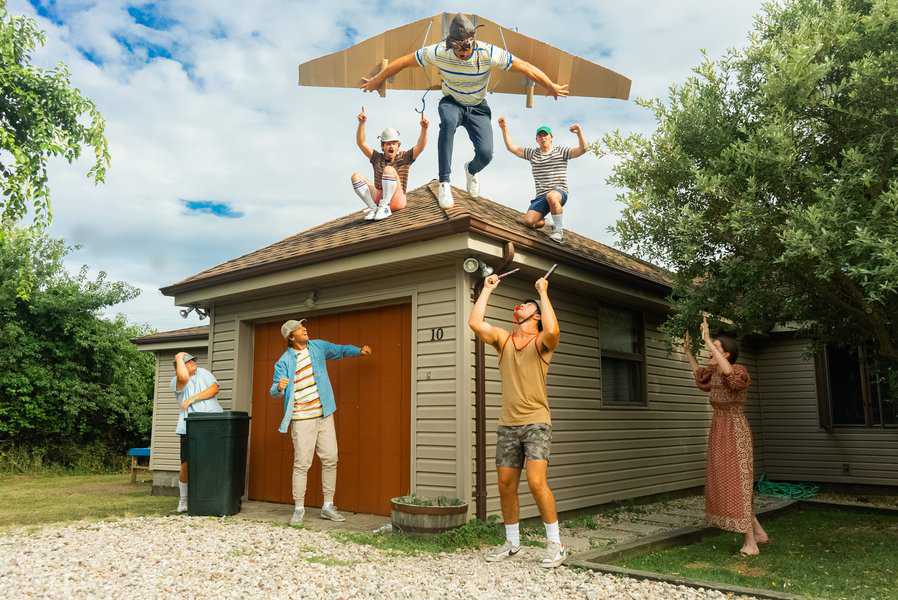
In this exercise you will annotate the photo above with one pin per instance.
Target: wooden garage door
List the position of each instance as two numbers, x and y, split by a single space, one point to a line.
373 418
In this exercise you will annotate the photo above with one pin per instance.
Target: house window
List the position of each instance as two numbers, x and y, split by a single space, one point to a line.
623 357
856 388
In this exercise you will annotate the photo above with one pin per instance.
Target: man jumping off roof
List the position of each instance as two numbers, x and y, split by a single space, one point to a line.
549 165
464 66
390 170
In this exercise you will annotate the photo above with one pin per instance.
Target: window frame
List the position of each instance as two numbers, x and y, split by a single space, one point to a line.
824 393
639 358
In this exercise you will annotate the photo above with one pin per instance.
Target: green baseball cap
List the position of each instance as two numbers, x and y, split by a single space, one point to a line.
543 129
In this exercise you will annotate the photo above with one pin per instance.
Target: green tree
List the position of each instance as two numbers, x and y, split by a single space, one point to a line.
769 186
67 376
41 116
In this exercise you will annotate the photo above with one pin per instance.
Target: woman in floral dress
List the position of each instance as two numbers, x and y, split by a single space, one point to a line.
729 473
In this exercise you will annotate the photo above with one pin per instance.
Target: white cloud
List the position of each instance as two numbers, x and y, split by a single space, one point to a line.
224 120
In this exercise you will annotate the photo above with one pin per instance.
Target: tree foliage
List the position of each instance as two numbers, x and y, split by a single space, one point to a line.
769 186
67 376
41 116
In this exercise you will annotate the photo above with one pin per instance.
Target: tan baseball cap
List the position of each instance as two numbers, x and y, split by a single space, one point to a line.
290 326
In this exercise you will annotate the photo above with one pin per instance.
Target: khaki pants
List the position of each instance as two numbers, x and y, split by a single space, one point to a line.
313 436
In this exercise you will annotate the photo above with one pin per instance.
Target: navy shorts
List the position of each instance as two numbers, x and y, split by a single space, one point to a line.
541 205
183 447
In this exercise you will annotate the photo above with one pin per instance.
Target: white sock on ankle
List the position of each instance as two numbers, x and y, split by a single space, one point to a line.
552 532
364 192
182 487
558 221
298 507
389 184
327 505
513 534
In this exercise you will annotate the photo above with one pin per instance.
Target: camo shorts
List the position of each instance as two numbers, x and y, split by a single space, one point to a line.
515 442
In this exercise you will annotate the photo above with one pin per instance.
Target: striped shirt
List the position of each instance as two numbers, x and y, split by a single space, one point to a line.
465 80
306 403
401 163
549 169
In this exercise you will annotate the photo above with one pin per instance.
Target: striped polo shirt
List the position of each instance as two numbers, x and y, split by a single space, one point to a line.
306 403
549 169
465 80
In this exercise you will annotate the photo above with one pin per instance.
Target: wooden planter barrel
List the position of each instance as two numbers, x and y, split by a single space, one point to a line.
410 518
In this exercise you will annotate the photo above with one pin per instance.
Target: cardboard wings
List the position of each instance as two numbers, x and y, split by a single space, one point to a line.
345 68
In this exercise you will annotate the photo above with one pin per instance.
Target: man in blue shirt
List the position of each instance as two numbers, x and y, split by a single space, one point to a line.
300 378
196 390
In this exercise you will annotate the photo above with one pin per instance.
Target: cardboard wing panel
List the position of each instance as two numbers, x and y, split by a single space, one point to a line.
583 77
345 68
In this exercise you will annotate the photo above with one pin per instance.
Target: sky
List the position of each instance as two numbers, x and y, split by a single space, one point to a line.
216 151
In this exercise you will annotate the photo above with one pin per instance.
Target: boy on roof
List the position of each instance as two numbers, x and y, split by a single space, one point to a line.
391 166
549 165
464 65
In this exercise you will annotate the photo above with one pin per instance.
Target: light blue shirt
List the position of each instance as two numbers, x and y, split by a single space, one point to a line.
201 380
320 351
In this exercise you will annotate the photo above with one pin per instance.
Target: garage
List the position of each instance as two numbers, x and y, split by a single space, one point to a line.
373 418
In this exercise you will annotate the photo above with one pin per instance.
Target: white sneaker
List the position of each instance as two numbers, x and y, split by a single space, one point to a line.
331 513
473 184
369 213
444 197
298 514
504 551
554 556
182 505
382 212
557 236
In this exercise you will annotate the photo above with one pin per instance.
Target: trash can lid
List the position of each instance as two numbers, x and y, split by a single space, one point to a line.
224 415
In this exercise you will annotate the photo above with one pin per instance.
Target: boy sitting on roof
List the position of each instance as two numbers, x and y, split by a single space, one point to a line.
390 170
549 165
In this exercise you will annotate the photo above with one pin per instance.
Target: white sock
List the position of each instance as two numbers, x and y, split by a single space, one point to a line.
558 220
552 532
327 505
513 534
389 184
298 506
364 192
183 488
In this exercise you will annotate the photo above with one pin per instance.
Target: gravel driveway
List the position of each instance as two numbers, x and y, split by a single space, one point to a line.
228 558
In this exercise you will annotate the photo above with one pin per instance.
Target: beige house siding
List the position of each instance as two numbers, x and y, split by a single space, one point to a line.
433 294
796 447
164 443
601 454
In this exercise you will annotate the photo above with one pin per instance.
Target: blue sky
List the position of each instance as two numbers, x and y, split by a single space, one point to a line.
216 151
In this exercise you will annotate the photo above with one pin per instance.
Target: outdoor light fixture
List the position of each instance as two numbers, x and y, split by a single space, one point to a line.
312 299
202 314
473 265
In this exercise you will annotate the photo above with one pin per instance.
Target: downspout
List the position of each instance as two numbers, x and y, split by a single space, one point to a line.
480 397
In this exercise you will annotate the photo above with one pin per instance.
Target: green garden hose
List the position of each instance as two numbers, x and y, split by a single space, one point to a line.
793 491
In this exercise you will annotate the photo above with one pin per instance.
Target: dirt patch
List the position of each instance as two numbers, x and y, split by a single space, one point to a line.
698 565
746 570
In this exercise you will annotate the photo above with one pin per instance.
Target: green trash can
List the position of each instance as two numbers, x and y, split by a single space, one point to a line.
216 455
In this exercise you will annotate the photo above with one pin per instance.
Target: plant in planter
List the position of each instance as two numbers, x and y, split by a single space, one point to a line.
414 514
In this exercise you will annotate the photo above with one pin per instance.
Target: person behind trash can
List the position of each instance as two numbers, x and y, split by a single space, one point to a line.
300 377
196 390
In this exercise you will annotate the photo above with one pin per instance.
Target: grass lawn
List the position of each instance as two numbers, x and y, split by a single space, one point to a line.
39 499
472 535
815 552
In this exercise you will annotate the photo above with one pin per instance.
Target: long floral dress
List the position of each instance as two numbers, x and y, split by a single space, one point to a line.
729 473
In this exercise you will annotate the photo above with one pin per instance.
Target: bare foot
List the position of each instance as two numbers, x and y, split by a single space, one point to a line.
749 550
760 534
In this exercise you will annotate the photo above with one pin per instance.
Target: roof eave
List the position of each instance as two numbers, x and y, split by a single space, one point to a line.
453 225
